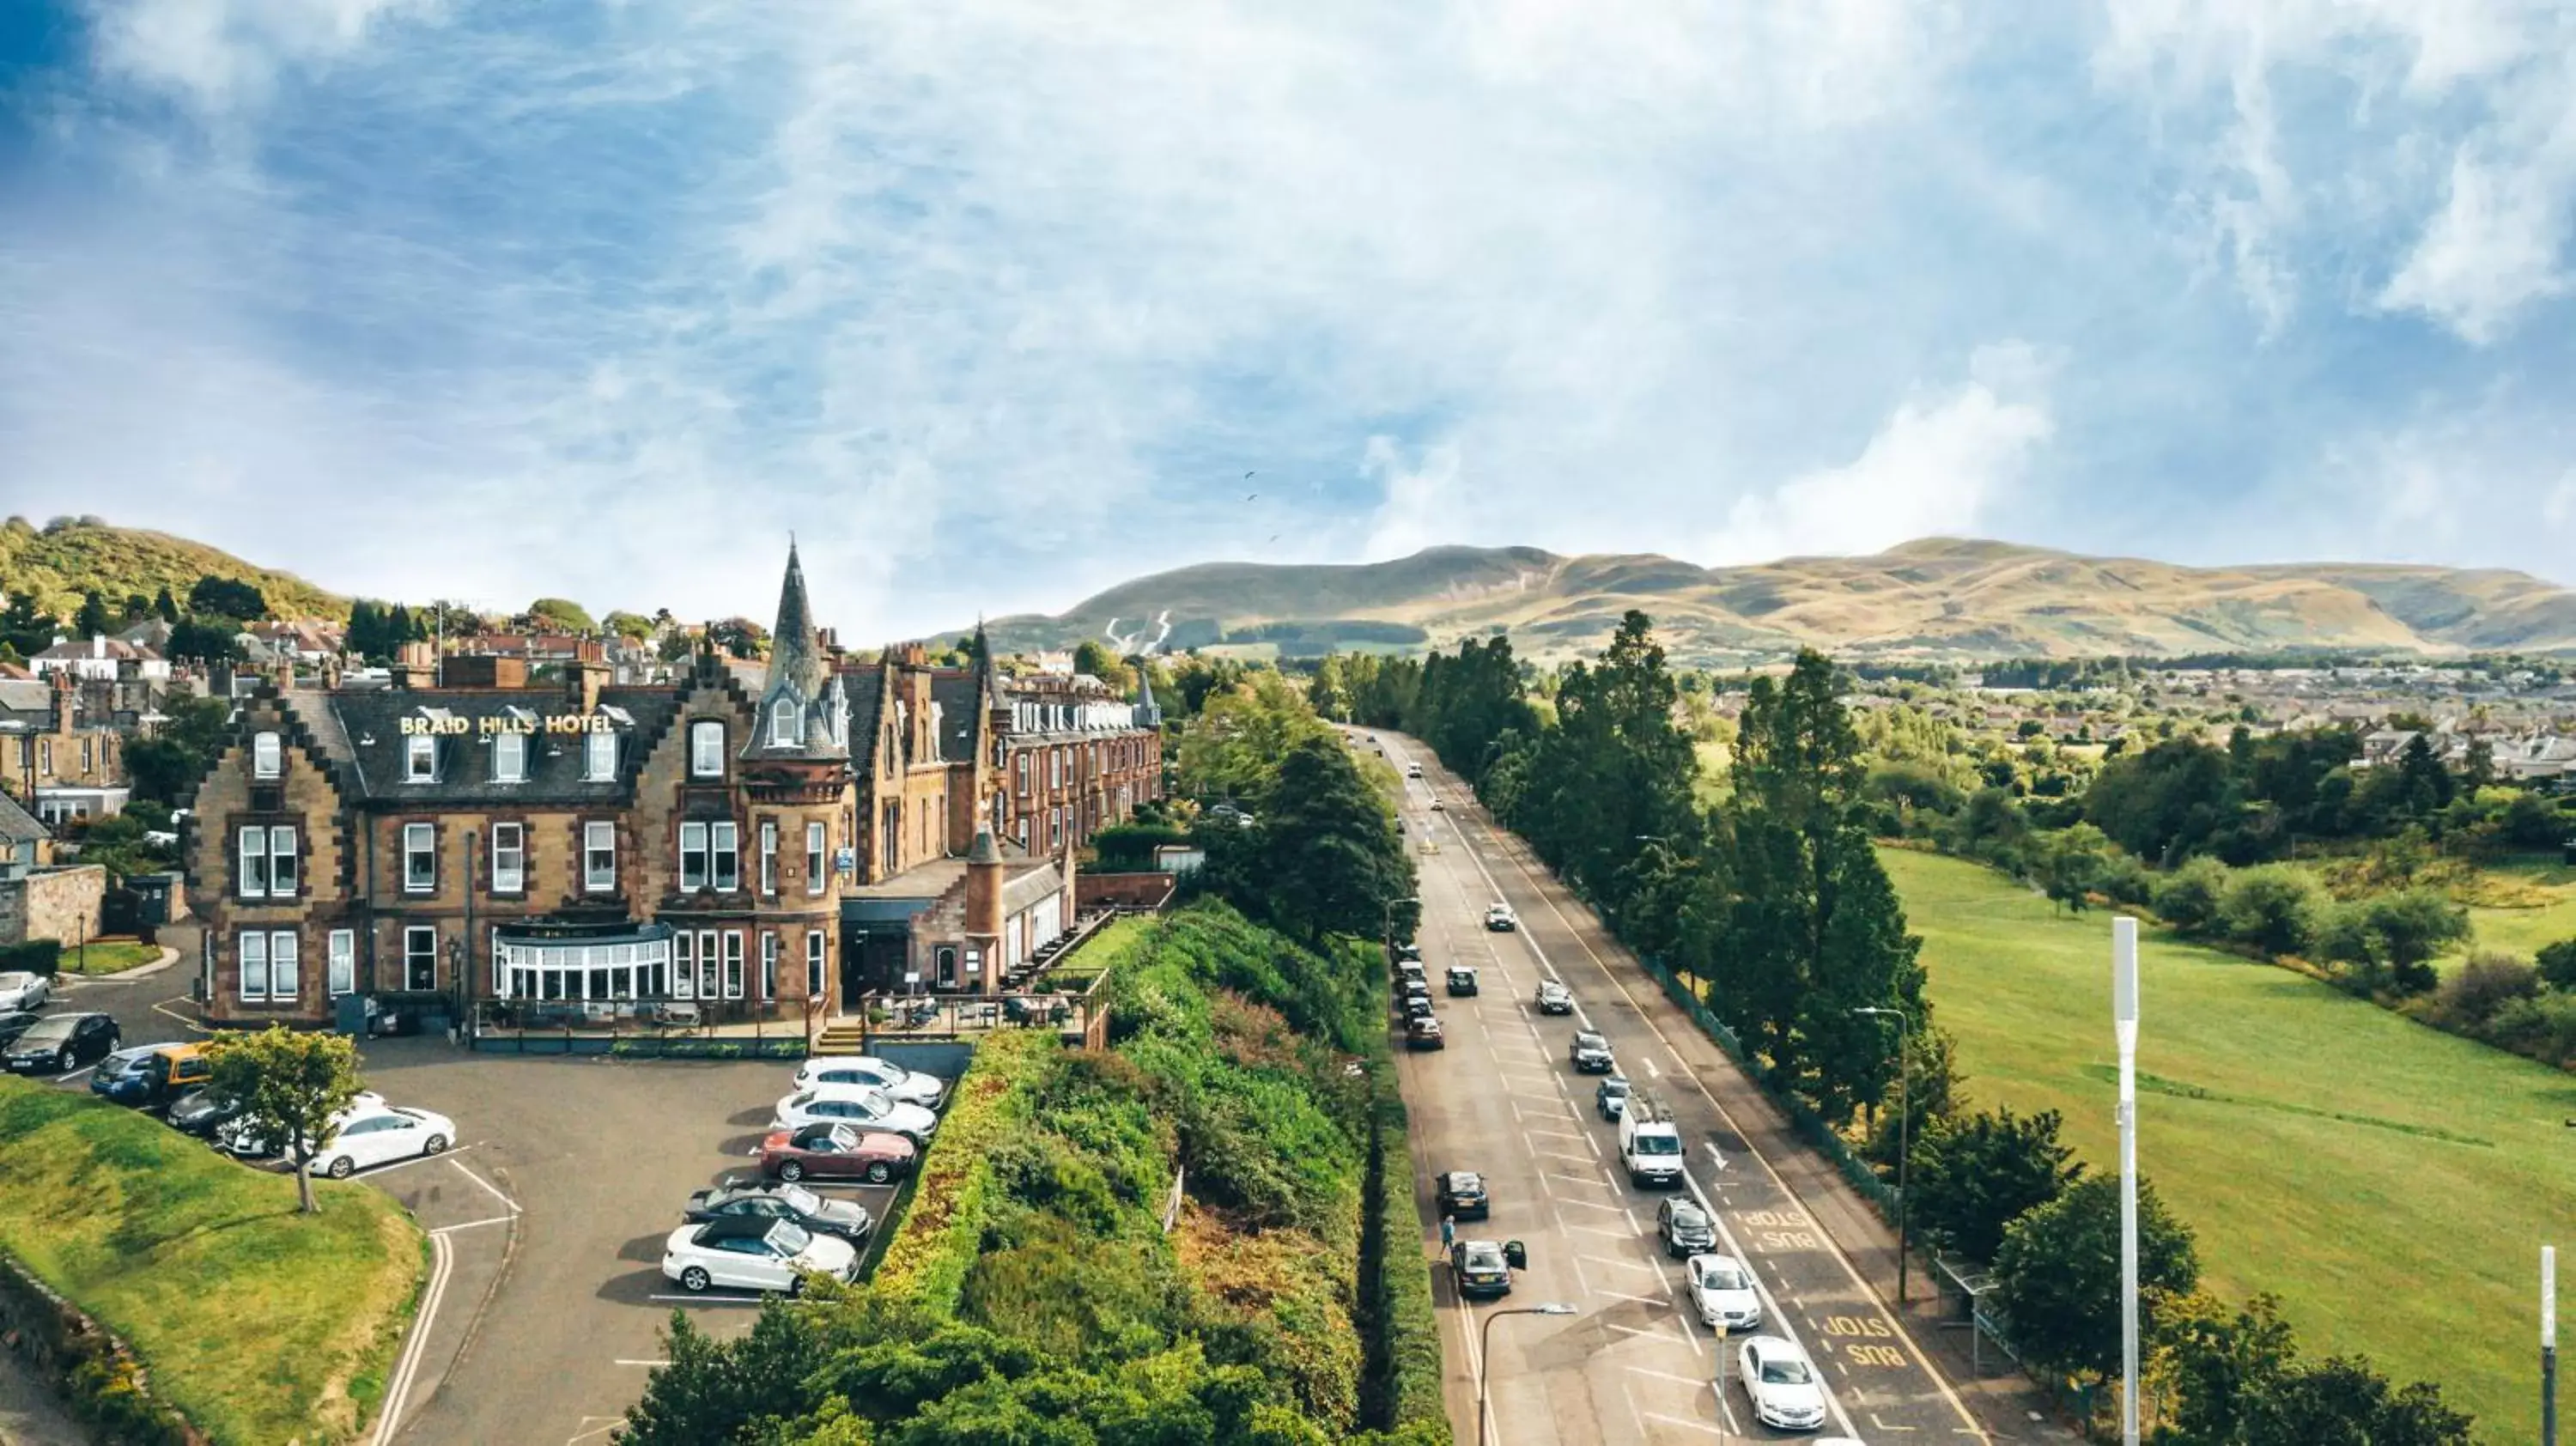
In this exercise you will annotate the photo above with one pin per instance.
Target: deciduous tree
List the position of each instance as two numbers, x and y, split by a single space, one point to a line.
2057 1275
1973 1178
292 1085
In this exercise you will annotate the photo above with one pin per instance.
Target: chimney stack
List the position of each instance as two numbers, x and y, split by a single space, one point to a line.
65 705
586 677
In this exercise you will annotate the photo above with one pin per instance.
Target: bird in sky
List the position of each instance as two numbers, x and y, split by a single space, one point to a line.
1250 475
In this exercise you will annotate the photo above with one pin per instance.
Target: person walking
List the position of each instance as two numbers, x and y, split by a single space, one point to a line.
1448 1232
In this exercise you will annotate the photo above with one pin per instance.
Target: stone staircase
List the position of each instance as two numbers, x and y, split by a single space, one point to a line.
842 1036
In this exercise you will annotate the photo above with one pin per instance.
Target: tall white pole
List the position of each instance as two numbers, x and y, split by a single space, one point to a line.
2548 1346
2124 1025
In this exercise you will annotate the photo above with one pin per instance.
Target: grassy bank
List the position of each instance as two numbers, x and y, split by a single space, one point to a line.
260 1324
2390 1183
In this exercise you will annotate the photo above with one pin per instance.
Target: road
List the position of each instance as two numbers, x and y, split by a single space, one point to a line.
1634 1365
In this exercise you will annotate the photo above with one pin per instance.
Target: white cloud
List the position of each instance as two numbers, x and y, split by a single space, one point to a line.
1938 466
2491 252
221 55
1424 504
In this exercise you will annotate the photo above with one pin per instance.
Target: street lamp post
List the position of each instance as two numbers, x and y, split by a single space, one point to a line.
1904 1138
2124 1029
1485 1347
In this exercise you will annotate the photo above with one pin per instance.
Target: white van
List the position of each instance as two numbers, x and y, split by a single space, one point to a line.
1650 1144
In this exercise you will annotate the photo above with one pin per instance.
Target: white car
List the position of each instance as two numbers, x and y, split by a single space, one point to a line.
1722 1290
22 990
906 1086
1781 1384
237 1138
858 1106
753 1253
1499 918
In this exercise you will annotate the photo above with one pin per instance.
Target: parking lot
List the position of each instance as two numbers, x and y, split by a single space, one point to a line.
545 1298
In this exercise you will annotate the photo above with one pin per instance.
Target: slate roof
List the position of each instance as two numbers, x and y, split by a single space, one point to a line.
865 683
959 713
360 731
19 826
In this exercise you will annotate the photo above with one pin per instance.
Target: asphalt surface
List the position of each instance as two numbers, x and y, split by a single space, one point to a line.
1634 1364
545 1303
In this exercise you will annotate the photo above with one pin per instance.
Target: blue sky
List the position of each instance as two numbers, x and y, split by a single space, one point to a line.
993 302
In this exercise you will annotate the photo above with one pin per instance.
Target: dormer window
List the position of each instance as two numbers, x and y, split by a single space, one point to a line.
267 757
510 758
786 728
599 757
420 759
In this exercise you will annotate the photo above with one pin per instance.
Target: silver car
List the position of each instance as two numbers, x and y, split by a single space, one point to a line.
22 990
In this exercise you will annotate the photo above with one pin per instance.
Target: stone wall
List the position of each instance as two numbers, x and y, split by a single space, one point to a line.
60 904
1135 891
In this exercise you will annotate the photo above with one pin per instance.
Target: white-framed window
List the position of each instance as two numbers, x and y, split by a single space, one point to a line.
768 965
707 965
510 758
817 843
724 847
509 858
693 856
343 977
786 727
284 977
733 964
1024 772
768 856
420 759
1055 768
599 856
1024 831
283 875
267 756
706 748
250 874
814 951
1055 828
420 858
252 950
420 957
599 757
684 965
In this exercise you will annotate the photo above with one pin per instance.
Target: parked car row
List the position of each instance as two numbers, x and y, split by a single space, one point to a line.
850 1120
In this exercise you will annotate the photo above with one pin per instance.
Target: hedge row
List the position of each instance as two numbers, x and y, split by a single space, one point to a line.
943 1231
1405 1309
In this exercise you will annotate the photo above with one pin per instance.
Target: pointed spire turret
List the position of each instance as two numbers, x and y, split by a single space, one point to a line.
1149 714
801 703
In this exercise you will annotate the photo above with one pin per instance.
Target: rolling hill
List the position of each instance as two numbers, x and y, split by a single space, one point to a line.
67 557
1937 598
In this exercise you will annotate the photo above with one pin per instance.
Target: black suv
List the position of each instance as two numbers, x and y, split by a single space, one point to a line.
1590 1053
1462 1196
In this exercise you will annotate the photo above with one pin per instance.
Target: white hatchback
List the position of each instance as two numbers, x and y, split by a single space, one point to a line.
906 1086
858 1106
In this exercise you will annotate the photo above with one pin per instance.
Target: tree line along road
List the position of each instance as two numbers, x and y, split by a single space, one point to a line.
1634 1364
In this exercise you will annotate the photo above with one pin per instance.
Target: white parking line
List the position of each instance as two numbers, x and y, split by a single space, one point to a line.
1626 1295
1625 1264
1679 1421
1669 1376
709 1298
471 1224
75 1074
489 1188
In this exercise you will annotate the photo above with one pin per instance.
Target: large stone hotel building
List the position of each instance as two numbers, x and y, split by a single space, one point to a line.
766 842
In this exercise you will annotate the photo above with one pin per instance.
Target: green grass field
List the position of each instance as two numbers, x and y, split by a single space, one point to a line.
2390 1183
108 956
260 1324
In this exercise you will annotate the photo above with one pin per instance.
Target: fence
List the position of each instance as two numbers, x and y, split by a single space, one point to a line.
652 1028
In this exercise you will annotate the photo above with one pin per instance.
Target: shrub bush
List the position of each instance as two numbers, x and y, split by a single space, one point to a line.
36 956
2191 897
2470 998
2273 908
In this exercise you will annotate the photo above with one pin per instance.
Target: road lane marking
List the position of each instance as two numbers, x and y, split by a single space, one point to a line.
1597 1205
406 1369
488 1187
1629 1295
1560 1155
1931 1371
1679 1421
1669 1376
1647 1266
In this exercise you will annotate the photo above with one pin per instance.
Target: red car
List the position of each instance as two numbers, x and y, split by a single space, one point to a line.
831 1150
